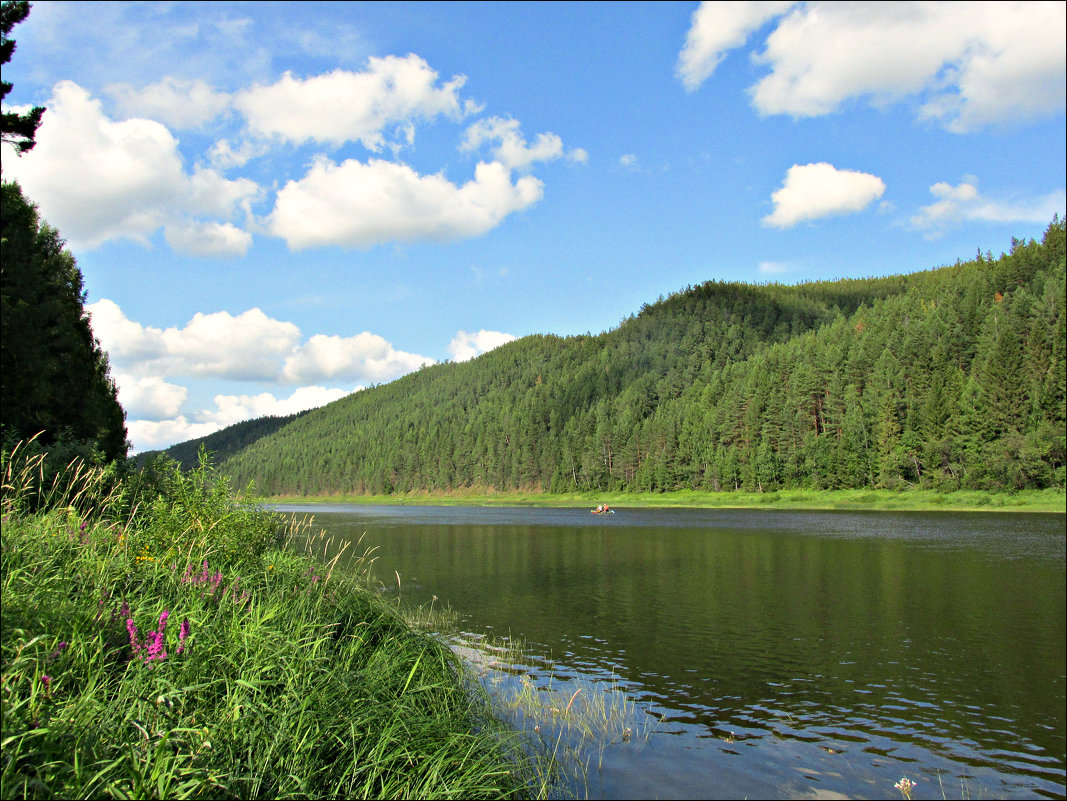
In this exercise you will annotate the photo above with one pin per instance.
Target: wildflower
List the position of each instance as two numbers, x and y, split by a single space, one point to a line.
58 651
132 629
47 682
905 785
156 640
183 634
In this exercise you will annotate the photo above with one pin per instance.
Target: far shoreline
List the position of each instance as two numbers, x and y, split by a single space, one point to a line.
1046 501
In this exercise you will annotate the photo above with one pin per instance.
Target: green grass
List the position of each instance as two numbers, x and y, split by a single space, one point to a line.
167 647
1048 500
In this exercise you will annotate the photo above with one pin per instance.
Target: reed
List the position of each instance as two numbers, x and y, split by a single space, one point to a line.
570 722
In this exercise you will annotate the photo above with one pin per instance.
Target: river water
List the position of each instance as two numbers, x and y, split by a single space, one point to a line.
766 654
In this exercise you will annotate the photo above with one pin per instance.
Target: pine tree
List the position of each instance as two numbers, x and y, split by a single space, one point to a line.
53 375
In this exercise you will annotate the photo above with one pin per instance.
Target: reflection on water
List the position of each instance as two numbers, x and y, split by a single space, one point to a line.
782 654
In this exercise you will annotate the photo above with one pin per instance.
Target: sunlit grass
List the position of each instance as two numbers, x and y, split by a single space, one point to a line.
1047 500
211 664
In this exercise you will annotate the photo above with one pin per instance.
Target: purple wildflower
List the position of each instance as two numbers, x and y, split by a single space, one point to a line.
132 629
156 640
47 682
183 634
58 651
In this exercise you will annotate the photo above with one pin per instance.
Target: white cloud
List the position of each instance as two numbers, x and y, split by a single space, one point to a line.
773 267
147 435
819 190
177 103
343 106
969 64
716 28
249 346
149 397
364 356
246 347
356 204
964 203
230 409
209 239
511 148
224 155
97 180
465 346
628 160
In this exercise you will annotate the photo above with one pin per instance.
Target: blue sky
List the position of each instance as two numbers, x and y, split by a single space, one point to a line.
274 205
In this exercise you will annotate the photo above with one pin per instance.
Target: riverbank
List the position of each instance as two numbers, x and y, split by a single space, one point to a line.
915 500
162 641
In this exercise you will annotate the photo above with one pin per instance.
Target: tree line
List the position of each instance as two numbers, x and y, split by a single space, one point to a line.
55 381
949 378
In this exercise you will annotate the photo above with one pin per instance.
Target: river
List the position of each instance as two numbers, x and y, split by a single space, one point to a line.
764 654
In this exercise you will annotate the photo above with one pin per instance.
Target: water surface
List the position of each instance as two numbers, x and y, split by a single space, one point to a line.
780 654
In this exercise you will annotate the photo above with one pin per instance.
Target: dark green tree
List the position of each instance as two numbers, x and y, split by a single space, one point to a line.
53 375
18 130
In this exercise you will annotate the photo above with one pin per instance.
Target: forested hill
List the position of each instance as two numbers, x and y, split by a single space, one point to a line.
948 378
222 444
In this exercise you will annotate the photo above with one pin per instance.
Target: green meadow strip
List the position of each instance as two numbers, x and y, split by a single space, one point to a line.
915 500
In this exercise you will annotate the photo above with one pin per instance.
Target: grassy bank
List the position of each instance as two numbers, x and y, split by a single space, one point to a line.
1049 500
157 642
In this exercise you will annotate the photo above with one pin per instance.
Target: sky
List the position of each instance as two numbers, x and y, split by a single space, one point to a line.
275 204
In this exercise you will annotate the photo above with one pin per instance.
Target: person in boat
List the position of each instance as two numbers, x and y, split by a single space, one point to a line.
600 509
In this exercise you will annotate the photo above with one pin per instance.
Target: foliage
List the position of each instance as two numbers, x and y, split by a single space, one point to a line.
250 673
18 130
948 379
54 378
221 444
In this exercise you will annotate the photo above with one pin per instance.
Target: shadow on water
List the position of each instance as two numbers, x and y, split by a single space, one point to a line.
769 654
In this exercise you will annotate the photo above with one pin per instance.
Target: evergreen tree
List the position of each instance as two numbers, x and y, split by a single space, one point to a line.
53 375
18 130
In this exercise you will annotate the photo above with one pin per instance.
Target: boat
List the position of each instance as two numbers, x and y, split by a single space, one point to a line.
602 511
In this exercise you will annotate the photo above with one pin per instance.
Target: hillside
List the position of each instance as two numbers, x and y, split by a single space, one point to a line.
949 378
222 444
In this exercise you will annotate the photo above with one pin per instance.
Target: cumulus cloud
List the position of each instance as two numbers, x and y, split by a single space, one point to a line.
149 397
244 347
97 180
359 205
364 356
230 409
964 203
248 346
969 64
819 190
465 346
146 435
175 102
223 154
343 106
717 27
207 238
511 148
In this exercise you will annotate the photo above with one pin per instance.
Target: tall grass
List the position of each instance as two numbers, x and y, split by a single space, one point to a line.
157 642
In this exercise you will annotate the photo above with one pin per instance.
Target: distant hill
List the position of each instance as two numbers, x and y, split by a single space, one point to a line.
222 444
948 378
